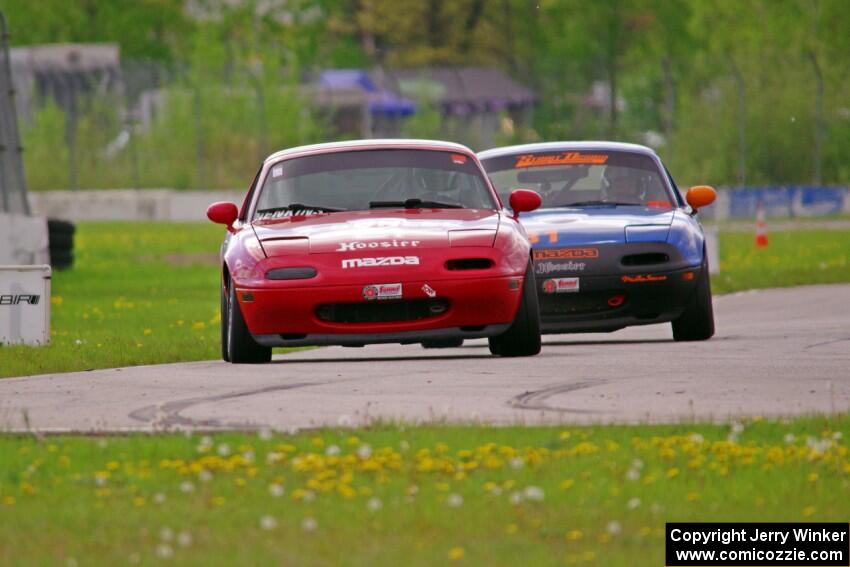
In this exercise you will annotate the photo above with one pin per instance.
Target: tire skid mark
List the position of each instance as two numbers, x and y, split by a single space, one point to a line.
826 343
536 399
168 414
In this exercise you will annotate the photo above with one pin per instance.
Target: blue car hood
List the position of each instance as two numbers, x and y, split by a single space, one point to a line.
597 225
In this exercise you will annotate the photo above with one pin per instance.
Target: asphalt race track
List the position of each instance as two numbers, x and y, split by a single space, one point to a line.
776 352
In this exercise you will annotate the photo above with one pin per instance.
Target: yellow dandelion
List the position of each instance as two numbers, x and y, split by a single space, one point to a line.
809 511
218 501
199 326
9 500
56 300
456 553
813 477
574 535
672 472
148 331
138 501
511 529
567 484
693 496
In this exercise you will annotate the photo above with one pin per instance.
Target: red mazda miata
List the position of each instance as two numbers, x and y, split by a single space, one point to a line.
392 241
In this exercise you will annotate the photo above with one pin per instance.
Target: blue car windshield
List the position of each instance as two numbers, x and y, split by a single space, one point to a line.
579 178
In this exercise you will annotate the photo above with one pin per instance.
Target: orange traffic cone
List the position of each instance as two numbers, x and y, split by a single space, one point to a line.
761 227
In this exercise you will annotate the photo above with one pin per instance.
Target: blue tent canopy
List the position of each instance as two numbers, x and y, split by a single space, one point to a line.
381 101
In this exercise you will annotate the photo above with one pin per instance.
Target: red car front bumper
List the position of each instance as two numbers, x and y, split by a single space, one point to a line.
340 314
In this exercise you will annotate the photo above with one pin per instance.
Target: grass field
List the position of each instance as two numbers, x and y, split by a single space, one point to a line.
418 496
148 293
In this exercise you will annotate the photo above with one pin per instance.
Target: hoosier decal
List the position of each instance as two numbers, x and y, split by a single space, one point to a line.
548 267
358 245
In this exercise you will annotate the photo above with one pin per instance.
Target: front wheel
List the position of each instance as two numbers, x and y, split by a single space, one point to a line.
697 322
523 336
225 321
241 346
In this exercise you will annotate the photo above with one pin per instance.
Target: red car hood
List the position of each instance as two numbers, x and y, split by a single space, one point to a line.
386 230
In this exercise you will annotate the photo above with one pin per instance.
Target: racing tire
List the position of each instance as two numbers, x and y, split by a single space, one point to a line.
442 343
523 336
697 322
225 319
241 346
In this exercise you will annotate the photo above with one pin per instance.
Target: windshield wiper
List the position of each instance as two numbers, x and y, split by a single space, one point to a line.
413 204
599 204
296 207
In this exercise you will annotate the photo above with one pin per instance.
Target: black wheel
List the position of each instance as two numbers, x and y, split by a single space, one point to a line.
61 259
442 343
225 320
241 346
697 322
523 336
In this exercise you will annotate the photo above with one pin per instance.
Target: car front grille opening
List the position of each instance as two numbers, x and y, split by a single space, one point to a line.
293 336
645 259
470 264
382 311
581 303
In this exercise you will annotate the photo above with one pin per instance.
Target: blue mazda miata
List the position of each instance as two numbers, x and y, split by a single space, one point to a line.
614 243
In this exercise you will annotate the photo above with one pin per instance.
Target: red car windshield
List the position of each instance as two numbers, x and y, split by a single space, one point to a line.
372 179
577 178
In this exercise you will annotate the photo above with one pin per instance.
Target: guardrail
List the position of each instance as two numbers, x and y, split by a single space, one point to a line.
788 201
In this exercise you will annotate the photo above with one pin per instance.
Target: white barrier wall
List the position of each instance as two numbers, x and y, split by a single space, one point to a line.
129 204
23 240
25 305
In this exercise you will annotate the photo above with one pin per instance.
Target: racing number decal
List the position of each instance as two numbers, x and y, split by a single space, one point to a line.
552 234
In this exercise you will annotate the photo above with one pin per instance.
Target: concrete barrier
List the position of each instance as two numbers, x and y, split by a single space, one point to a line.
23 240
185 206
129 204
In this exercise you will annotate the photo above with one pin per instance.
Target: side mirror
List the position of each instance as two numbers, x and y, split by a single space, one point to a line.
524 201
223 213
700 196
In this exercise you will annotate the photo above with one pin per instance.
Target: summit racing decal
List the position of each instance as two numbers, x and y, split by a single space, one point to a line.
357 245
643 278
548 267
19 299
382 291
380 261
565 253
566 158
561 285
